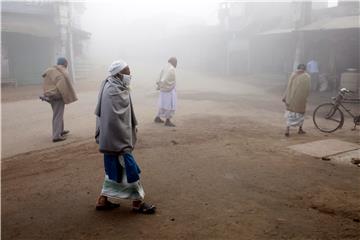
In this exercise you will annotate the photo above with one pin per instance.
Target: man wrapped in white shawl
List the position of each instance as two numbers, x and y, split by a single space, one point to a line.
167 98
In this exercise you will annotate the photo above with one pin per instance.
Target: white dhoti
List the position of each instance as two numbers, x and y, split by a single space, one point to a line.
123 189
167 104
294 119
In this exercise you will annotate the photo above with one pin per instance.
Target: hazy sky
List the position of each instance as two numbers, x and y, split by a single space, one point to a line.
123 12
119 26
178 12
126 27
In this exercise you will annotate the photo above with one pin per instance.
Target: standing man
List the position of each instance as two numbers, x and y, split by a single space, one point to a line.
58 91
116 136
313 68
167 98
295 98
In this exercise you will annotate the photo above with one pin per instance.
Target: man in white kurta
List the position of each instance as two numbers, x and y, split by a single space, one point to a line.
167 98
312 67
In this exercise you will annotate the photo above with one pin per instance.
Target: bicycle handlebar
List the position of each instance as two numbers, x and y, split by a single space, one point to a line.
345 91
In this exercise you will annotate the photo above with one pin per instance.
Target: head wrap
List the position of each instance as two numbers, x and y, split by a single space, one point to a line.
61 61
173 61
301 67
117 66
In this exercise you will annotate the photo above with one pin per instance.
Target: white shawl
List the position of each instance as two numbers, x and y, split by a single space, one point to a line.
167 80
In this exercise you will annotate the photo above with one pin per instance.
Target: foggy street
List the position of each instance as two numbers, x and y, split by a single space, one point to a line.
223 172
33 132
180 119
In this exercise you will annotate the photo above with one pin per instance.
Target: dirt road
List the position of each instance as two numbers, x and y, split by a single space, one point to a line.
224 172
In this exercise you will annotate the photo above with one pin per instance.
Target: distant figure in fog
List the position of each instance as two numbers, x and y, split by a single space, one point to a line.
167 99
313 68
58 91
295 98
116 136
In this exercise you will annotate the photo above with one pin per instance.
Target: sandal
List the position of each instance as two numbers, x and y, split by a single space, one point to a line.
158 120
145 208
107 206
168 123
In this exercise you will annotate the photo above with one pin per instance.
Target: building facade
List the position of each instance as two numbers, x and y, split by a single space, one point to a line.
275 37
34 34
329 36
240 21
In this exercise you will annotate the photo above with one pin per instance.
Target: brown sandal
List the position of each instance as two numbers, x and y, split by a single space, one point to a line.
107 206
145 208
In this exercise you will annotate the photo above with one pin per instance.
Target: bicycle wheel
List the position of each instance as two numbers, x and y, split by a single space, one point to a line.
328 118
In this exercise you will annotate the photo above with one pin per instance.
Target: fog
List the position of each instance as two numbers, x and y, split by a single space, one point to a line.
215 149
226 38
149 32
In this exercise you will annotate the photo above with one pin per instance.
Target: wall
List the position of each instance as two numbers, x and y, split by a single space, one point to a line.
28 56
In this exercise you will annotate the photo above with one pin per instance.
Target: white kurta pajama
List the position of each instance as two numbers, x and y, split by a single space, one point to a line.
167 104
167 98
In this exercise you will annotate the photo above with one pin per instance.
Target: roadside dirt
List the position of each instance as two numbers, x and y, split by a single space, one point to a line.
224 172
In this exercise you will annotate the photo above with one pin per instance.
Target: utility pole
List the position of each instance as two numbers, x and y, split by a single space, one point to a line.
65 47
70 42
302 18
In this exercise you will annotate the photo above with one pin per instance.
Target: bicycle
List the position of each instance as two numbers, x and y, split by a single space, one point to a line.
328 117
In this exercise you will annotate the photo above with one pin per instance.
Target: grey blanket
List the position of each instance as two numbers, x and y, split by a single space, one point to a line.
116 122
